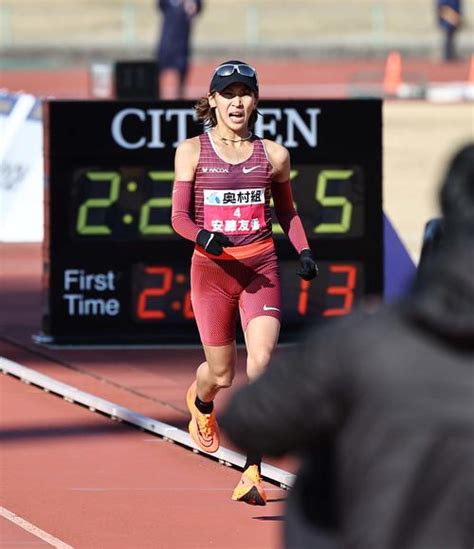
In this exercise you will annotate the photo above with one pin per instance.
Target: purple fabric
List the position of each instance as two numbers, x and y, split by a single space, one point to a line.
399 268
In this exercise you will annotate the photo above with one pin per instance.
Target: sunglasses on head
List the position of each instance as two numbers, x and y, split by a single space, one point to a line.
228 69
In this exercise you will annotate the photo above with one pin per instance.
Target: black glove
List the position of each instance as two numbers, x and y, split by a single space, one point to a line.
308 268
213 243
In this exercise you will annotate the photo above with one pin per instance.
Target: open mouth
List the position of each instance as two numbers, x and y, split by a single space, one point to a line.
236 116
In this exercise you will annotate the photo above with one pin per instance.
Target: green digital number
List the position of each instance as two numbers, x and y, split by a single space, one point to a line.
276 226
145 226
334 201
82 225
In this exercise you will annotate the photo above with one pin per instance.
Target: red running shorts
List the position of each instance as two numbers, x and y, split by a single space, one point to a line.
244 278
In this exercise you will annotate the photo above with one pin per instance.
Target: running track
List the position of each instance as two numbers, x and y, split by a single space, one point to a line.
298 78
91 482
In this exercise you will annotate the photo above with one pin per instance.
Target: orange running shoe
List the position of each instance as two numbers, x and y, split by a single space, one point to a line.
250 488
202 427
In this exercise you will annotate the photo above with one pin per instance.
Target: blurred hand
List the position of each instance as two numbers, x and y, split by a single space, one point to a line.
190 7
308 267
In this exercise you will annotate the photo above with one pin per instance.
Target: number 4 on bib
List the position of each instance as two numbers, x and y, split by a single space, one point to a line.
237 212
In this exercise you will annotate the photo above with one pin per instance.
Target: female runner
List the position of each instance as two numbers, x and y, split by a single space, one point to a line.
225 179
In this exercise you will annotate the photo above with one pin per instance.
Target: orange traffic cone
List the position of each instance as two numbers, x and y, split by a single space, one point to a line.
393 73
469 89
470 76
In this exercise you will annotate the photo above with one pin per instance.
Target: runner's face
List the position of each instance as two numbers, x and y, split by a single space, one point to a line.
234 105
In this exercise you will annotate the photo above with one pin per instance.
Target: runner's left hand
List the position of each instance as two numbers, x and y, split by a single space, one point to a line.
308 267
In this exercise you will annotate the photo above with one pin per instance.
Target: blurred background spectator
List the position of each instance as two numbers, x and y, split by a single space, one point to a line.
449 20
97 29
174 44
380 406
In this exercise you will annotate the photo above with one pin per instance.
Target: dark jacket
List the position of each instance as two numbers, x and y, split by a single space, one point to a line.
173 48
381 406
449 14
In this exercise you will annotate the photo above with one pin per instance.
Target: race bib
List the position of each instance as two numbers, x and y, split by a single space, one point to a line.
235 212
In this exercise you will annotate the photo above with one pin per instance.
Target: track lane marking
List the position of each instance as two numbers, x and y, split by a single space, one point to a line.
32 529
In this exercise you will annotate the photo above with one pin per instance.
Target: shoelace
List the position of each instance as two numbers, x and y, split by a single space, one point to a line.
206 424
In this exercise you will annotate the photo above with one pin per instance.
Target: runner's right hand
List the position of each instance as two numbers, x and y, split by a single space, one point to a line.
213 243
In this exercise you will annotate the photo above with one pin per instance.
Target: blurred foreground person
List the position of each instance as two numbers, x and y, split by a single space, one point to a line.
457 205
381 407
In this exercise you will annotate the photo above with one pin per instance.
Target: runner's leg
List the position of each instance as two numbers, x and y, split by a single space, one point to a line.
260 311
214 295
217 372
261 337
212 375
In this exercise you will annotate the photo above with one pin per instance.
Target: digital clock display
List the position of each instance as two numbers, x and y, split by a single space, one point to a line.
115 270
135 203
162 293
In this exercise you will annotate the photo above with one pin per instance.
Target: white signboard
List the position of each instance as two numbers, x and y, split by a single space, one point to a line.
21 168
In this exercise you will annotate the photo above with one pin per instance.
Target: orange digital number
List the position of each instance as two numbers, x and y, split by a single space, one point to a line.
167 278
303 297
347 291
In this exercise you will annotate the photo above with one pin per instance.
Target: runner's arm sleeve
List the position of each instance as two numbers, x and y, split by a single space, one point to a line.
182 206
287 216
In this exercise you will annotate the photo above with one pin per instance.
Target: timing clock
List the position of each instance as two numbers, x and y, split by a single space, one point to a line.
115 271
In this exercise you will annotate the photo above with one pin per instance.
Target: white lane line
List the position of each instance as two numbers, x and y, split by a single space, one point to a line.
32 529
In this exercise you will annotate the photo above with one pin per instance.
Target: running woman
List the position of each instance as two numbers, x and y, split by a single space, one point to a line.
225 179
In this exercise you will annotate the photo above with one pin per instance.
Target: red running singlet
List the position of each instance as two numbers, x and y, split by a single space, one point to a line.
233 198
